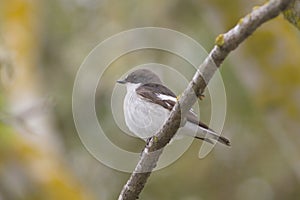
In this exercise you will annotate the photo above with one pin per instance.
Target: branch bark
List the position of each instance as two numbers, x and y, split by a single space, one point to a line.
292 13
225 43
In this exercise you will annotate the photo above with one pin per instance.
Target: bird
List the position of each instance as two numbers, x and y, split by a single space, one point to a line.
148 104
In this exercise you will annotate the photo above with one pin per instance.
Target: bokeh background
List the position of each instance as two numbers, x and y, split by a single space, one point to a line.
43 43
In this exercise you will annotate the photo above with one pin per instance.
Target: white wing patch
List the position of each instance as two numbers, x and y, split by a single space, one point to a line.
166 97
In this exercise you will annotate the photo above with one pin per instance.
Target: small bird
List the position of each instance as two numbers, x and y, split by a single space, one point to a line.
148 103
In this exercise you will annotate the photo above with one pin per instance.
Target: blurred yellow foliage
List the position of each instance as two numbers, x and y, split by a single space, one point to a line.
40 172
275 48
26 165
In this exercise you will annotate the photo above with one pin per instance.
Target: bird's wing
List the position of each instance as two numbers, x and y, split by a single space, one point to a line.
158 94
163 96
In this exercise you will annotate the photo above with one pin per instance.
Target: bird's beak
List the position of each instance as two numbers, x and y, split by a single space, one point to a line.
121 81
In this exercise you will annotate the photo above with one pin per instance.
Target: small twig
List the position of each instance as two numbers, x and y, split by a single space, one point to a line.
225 43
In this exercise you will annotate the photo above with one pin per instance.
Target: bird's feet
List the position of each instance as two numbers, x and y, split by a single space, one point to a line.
201 97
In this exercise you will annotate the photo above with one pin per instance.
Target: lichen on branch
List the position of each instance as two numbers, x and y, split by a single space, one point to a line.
292 13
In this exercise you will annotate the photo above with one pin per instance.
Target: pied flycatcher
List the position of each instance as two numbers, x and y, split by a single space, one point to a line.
148 103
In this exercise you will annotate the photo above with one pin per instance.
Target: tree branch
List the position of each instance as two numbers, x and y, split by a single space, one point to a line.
225 43
292 13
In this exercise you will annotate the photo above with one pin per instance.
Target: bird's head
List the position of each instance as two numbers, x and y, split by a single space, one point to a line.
141 76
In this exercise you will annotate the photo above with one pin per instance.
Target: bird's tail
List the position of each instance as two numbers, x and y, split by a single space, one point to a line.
220 139
208 135
224 140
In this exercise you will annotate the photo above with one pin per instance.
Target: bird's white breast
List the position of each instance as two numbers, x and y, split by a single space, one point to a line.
143 118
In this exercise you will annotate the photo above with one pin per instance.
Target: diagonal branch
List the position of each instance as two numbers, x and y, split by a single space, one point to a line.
225 43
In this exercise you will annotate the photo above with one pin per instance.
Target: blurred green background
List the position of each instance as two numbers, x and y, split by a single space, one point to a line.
43 43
